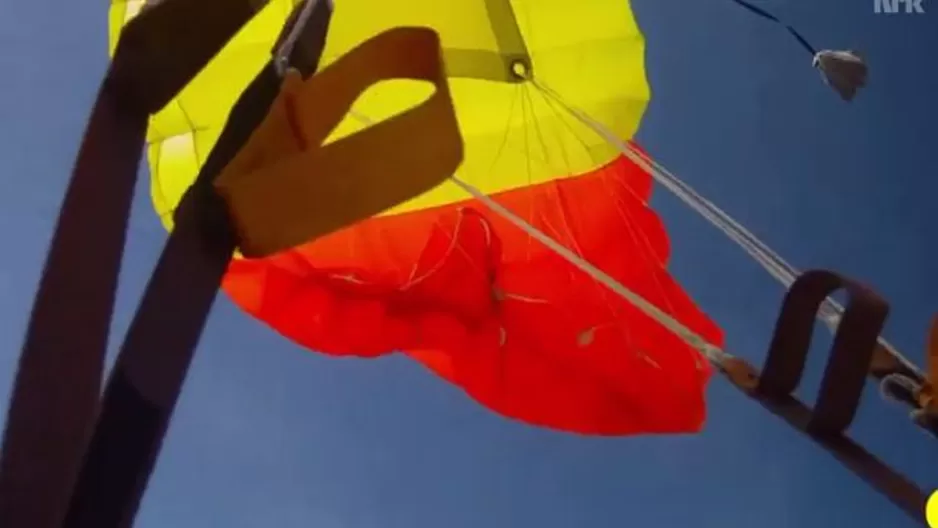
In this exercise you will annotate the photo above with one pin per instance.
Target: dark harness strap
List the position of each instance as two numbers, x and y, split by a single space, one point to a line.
165 331
841 386
56 391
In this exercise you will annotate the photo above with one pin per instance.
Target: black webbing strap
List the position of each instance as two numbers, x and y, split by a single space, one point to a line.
57 386
164 334
841 386
158 348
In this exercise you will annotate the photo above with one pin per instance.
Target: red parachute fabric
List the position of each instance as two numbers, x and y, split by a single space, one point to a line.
480 303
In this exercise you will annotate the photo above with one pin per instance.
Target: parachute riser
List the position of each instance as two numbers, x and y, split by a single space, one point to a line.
850 356
151 69
164 333
851 360
41 457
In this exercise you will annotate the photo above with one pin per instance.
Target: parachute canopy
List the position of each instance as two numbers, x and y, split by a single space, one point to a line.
595 57
446 277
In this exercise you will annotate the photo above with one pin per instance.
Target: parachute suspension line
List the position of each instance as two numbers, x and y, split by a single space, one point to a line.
713 353
831 311
844 71
768 16
771 262
774 264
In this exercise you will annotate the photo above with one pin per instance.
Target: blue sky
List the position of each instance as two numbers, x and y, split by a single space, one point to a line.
268 435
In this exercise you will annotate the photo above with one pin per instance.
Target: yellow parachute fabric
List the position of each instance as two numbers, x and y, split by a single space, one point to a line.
441 277
591 52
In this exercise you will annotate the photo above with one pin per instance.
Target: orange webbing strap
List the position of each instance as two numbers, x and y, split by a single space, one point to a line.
285 187
57 386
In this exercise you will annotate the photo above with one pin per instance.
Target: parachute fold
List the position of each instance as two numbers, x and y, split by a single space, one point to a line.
445 278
